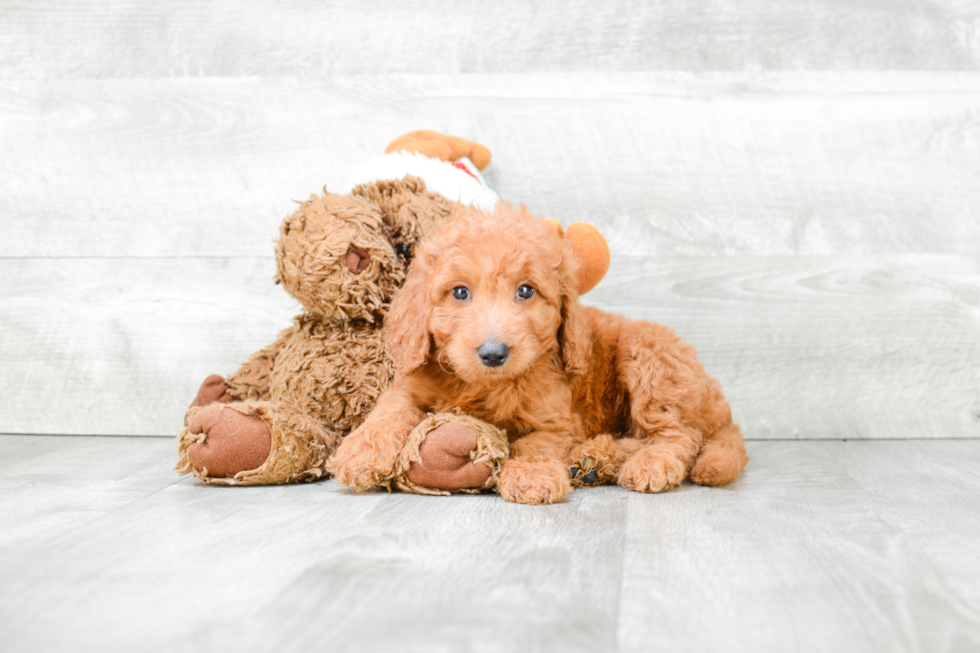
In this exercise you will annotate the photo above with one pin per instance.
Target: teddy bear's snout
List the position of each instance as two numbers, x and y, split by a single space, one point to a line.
357 259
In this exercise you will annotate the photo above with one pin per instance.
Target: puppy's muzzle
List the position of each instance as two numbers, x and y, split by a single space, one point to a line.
493 354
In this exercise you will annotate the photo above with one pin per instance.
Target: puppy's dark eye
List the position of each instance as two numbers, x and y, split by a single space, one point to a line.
525 291
401 249
462 293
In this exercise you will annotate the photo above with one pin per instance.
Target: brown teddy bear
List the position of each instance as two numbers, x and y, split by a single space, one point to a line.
280 417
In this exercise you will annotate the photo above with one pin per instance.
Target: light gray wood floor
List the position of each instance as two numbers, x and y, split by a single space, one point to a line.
820 546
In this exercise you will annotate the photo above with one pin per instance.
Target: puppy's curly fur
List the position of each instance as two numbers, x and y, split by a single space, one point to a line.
586 397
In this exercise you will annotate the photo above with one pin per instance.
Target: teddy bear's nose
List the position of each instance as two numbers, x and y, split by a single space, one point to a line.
357 259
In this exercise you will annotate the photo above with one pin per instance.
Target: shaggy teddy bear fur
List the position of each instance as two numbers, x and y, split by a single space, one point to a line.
282 414
489 321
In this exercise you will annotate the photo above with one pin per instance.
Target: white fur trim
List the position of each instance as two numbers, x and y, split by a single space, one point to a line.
439 176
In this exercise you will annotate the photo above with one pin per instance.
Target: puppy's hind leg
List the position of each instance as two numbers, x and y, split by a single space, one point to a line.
663 379
722 457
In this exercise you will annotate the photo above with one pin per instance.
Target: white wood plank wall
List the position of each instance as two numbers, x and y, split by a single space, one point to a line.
224 38
794 187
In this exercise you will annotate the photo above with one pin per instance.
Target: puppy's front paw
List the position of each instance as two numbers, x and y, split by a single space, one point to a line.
652 470
364 461
533 481
593 462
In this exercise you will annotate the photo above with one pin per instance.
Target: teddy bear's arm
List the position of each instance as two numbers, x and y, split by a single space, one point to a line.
251 381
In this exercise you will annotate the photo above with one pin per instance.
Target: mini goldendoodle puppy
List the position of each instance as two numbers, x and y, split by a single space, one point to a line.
489 321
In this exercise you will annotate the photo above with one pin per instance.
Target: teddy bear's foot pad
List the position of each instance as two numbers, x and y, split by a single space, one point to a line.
451 452
232 442
444 459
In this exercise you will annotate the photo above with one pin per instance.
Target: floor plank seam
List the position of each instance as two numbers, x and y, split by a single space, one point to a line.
179 479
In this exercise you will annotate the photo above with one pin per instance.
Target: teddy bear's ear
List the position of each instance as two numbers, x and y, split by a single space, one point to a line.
590 247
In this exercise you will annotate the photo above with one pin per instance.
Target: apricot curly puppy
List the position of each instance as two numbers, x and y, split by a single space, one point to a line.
489 321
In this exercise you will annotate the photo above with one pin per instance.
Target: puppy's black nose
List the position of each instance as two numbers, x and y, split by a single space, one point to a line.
493 354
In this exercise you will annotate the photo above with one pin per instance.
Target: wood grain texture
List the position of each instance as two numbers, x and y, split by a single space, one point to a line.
666 163
119 346
844 546
185 38
805 347
819 547
823 347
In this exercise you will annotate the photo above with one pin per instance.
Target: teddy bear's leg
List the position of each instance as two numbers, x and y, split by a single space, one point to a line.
213 389
450 452
254 443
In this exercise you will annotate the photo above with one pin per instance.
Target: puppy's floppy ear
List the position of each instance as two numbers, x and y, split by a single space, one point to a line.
575 336
575 333
407 322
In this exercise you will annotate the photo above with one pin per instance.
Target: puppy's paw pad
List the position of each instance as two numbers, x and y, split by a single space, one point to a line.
593 462
587 471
